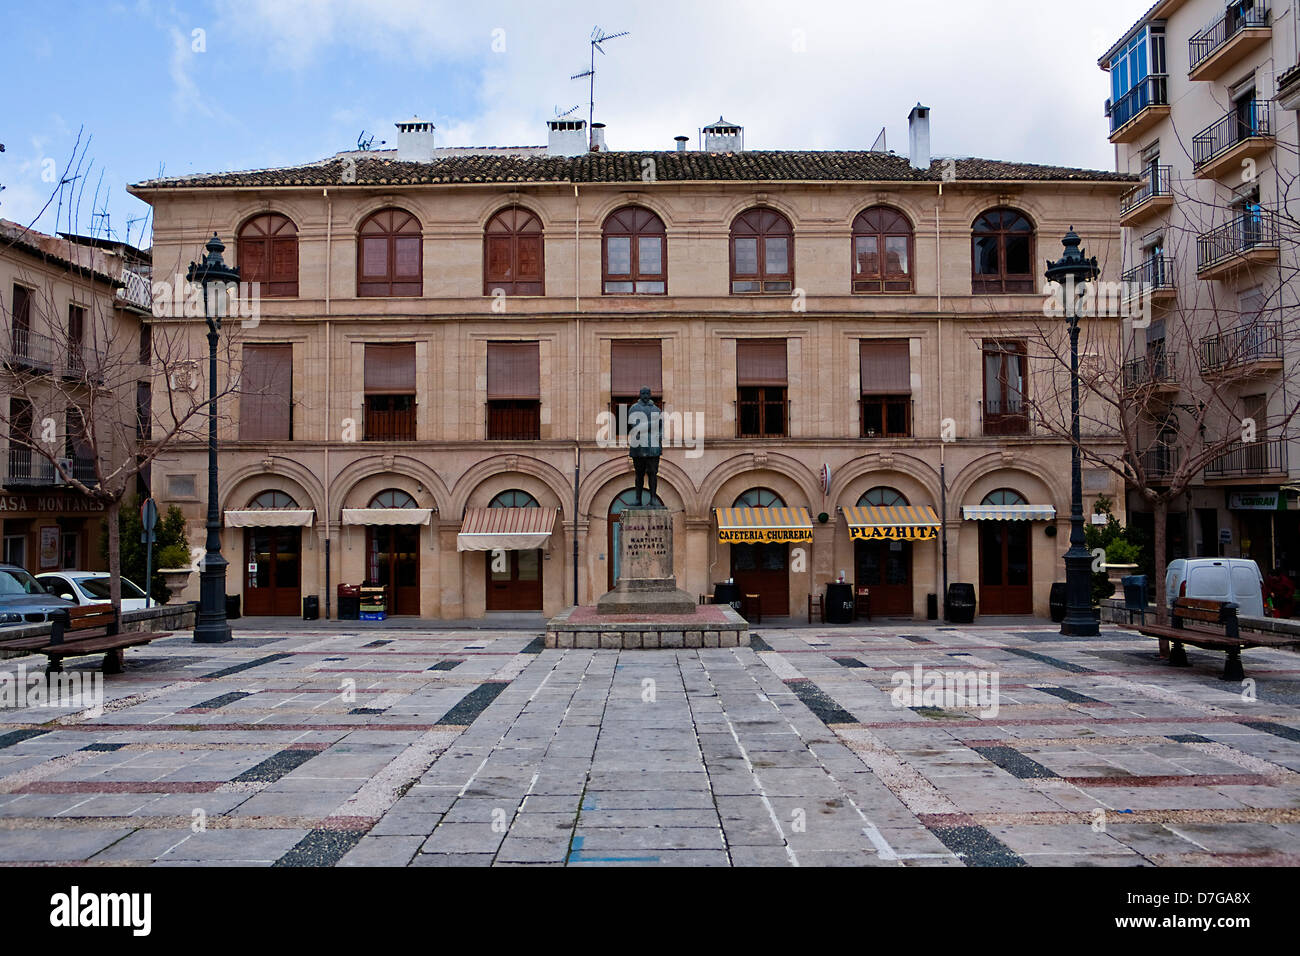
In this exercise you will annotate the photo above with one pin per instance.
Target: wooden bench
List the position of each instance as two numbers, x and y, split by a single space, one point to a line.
1226 637
79 631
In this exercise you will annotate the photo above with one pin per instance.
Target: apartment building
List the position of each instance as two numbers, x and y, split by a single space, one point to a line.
1203 104
430 393
68 307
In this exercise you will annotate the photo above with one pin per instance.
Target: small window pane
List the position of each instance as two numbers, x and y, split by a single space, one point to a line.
374 253
650 255
1017 255
652 288
746 256
986 256
778 256
408 256
896 255
865 260
619 254
618 287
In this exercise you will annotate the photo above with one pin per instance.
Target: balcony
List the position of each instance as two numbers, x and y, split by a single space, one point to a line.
1155 372
136 291
763 417
1242 133
1161 462
1002 417
1245 240
1154 276
514 420
1152 196
1141 108
1257 460
25 350
886 416
1243 353
1224 43
390 418
30 469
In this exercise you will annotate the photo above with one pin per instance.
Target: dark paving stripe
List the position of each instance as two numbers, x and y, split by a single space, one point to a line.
1073 696
104 748
1052 636
321 848
1014 762
1043 658
937 713
247 665
221 701
1277 730
757 643
445 665
366 710
536 645
819 703
848 662
376 644
916 639
473 704
1190 739
977 846
336 658
276 766
18 736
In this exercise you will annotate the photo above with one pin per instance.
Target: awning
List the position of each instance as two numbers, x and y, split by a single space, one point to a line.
386 516
270 518
892 522
505 529
1008 512
771 525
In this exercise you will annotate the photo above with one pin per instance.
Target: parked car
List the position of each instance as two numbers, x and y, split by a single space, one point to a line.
1217 579
23 600
90 587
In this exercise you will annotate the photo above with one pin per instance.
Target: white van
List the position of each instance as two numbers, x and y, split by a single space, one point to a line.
1217 579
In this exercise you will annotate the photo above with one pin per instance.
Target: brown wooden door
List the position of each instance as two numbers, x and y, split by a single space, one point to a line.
274 586
514 580
393 562
885 568
764 569
1006 583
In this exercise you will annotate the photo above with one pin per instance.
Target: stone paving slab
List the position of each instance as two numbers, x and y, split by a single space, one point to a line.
443 747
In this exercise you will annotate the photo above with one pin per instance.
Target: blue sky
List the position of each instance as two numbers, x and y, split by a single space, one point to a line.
204 87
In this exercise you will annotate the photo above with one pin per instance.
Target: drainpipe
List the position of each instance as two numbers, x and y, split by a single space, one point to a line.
577 385
943 477
329 373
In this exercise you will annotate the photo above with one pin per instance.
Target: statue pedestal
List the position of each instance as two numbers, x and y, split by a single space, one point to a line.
646 584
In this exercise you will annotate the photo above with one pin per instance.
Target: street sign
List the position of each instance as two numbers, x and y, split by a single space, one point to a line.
149 514
149 521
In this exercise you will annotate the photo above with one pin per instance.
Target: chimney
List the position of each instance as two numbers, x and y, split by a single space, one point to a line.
681 143
598 138
415 141
567 137
918 136
724 137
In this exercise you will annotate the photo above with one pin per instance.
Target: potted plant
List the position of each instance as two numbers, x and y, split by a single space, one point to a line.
1121 559
174 566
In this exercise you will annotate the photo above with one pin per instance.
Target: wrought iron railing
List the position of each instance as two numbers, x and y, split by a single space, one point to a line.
1250 343
1155 368
1161 461
1248 120
1156 181
516 420
1005 416
763 418
25 349
1254 229
1239 16
886 416
1265 457
1150 91
1155 272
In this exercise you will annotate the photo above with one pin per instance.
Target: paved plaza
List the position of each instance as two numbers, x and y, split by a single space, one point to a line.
890 745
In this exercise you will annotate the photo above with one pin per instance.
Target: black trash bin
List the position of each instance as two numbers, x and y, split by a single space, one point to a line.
959 607
1056 601
232 607
311 608
349 602
727 592
932 607
839 603
1135 594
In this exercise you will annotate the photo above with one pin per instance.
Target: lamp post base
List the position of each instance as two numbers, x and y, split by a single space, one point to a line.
210 625
1080 621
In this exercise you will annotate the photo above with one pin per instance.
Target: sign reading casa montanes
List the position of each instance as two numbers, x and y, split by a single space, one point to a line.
49 503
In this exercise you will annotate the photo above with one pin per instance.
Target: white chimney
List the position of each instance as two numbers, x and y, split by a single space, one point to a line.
918 136
598 138
681 143
724 137
415 141
567 137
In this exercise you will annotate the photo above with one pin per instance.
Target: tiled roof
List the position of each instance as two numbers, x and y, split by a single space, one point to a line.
14 235
616 167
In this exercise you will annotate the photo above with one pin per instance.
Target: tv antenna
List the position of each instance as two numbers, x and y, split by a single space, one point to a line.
568 112
598 36
368 142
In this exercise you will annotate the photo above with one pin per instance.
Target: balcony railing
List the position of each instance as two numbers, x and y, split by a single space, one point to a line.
30 469
1161 462
1250 119
390 424
514 420
1154 368
883 416
1005 416
1258 342
768 418
1156 272
25 349
1151 91
1205 44
136 290
1250 230
1249 458
1156 181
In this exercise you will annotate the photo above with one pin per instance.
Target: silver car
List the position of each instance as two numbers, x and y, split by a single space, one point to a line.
23 600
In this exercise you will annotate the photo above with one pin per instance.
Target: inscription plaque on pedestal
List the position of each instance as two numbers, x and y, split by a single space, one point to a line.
646 584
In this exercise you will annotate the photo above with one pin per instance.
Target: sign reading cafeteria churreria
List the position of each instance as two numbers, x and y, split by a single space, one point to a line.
763 535
914 533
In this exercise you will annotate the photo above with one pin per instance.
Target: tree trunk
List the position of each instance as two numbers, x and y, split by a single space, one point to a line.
1161 514
115 554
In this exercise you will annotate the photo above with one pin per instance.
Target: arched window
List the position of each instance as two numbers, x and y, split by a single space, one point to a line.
271 501
762 252
513 253
1002 252
634 253
392 498
389 257
1004 496
759 498
268 254
514 499
882 251
883 497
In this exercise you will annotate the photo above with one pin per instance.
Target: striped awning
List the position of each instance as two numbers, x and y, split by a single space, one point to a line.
505 529
759 525
1008 512
892 522
382 517
270 518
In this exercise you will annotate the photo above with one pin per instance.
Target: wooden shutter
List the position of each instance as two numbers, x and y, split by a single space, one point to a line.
885 366
514 371
266 393
634 363
390 369
498 248
529 254
761 362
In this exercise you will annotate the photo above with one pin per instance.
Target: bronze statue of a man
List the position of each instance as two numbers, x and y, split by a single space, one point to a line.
645 443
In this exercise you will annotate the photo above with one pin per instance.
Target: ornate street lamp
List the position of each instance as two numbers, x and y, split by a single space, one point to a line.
210 627
1073 271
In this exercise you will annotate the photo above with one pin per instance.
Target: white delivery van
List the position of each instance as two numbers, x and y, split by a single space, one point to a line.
1217 579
